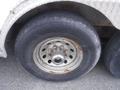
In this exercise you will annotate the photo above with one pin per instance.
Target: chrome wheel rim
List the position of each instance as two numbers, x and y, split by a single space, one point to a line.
58 55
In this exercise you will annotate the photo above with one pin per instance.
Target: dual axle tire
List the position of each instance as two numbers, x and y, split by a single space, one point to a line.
112 55
50 32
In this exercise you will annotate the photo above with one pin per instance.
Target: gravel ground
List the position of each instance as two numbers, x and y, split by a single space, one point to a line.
14 77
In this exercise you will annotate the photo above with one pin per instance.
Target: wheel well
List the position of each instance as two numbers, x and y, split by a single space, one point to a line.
90 14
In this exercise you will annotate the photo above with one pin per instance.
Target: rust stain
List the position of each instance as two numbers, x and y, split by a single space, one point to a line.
66 70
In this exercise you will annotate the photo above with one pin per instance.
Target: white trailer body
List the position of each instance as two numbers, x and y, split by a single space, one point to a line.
12 10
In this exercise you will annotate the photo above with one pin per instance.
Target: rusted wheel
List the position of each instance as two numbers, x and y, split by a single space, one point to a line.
58 46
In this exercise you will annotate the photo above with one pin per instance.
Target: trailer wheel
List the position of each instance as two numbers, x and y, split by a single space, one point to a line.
58 46
112 55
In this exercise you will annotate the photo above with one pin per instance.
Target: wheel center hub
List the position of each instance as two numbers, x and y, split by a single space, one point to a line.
58 59
57 53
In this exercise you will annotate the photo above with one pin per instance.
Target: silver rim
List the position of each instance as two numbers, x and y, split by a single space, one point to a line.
58 55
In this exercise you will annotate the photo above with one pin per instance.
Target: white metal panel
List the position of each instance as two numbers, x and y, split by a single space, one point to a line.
110 8
5 7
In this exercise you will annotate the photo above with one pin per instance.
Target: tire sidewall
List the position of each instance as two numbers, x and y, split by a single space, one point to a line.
85 36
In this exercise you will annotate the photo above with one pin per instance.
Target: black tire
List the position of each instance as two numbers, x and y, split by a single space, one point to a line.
63 24
112 55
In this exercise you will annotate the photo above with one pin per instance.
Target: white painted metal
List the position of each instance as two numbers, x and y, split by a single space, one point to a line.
11 10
